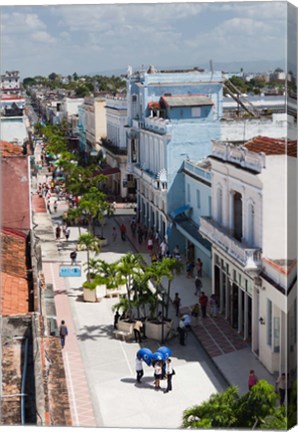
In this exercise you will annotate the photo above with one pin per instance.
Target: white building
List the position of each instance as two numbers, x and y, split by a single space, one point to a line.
253 236
115 147
95 121
10 83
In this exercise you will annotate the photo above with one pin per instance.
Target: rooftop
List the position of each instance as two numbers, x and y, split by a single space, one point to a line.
15 192
186 100
272 146
13 274
10 149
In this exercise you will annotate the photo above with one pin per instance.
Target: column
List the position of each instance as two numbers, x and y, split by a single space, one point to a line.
245 336
221 291
240 312
227 309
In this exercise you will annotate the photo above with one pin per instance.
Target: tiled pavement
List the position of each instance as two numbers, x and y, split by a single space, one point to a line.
79 397
215 334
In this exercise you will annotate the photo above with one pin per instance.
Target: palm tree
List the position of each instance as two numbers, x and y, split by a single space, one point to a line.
91 243
156 272
104 272
129 267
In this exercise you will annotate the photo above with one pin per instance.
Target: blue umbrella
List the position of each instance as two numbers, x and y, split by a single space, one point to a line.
165 351
158 356
146 355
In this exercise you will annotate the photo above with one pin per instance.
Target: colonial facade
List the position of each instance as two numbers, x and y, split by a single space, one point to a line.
253 237
10 83
95 121
172 116
115 147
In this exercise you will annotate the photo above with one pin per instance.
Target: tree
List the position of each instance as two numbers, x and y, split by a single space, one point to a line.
157 271
104 273
91 243
130 265
53 76
93 206
27 82
255 409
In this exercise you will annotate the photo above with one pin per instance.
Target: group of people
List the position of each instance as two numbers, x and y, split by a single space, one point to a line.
59 230
283 386
162 370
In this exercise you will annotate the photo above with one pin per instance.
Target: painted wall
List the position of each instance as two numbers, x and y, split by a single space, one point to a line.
276 217
280 126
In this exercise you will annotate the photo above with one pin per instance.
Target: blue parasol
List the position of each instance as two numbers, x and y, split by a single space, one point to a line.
165 351
146 355
158 356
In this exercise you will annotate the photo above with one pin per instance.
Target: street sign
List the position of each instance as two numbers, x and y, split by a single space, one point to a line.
70 271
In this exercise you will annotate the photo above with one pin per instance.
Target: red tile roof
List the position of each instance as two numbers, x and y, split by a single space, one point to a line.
10 149
15 209
13 274
272 146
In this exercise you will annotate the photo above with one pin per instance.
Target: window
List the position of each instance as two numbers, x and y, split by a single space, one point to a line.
196 112
188 192
198 199
269 322
209 206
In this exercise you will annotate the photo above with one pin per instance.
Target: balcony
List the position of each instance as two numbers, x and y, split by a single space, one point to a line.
158 125
238 155
245 255
149 177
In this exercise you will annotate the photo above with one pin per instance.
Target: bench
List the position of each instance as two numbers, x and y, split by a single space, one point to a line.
125 330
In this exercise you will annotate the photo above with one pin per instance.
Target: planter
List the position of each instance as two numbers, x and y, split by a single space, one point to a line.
127 327
154 329
94 295
103 241
89 295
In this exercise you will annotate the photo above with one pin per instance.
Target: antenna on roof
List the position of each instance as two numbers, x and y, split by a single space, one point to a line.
211 69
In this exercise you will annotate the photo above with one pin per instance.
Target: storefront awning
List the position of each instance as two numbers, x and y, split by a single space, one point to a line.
179 211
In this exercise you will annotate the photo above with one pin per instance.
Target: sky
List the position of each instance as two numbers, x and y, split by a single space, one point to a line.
89 39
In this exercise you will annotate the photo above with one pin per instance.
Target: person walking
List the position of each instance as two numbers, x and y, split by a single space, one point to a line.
67 233
139 369
123 231
55 206
116 319
73 257
58 232
169 374
281 386
157 374
181 331
198 286
252 379
63 332
195 313
213 306
137 330
49 206
203 300
176 303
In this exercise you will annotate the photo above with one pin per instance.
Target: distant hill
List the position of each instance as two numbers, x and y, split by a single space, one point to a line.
248 66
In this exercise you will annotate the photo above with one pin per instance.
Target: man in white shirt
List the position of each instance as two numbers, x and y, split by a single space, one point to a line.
169 374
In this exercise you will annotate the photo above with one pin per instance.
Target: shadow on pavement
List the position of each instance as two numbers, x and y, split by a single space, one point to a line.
94 332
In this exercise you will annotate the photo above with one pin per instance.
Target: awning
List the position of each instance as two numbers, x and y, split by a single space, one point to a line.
109 171
179 210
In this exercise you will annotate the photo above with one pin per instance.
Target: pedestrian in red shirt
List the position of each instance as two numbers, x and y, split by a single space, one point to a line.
203 300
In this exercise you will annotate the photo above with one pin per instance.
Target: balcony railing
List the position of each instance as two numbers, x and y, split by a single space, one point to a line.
149 177
222 237
157 124
238 155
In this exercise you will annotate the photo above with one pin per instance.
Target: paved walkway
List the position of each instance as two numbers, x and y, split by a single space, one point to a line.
93 380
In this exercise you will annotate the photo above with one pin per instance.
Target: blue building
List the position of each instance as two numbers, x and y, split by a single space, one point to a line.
172 116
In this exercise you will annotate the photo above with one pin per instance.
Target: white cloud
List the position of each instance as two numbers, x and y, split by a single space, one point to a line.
42 37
